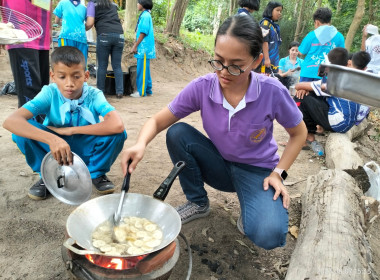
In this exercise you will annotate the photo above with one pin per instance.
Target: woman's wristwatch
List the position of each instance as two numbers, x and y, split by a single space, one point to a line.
281 172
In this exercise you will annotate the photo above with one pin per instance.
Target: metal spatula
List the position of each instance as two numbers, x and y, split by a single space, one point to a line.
116 217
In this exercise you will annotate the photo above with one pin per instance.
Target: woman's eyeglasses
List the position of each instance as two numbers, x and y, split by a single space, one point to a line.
232 69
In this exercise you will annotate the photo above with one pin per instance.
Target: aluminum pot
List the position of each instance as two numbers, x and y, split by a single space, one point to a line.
82 222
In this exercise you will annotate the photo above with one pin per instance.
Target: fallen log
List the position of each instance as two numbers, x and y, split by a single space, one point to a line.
331 242
340 151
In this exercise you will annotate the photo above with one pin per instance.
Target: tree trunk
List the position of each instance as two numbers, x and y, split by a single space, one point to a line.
355 24
130 15
371 14
338 6
340 151
299 20
332 243
168 11
217 20
176 17
233 5
319 4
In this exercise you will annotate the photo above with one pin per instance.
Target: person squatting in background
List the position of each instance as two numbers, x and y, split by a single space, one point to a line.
272 40
109 41
332 113
73 31
290 66
30 61
144 49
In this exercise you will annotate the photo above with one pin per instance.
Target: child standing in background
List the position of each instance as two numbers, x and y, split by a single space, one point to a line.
73 31
318 43
144 49
272 40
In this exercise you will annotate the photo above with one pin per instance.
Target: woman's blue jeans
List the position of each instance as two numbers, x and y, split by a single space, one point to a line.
109 44
265 221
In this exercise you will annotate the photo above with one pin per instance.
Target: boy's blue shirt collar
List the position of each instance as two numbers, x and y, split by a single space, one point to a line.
71 105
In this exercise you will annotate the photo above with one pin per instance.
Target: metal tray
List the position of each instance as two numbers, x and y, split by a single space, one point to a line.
355 85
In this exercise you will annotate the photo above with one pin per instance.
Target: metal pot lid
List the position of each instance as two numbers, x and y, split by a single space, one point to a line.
70 184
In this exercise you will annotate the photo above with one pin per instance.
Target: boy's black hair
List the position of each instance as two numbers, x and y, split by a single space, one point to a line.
245 29
293 44
250 4
270 7
350 54
338 56
323 15
147 4
68 56
103 3
360 60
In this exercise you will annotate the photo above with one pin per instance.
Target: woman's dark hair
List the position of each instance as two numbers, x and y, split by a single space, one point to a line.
361 59
323 15
245 29
147 4
103 3
270 7
293 44
67 55
338 56
250 4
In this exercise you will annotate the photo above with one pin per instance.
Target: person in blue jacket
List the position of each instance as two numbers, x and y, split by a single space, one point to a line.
318 43
144 49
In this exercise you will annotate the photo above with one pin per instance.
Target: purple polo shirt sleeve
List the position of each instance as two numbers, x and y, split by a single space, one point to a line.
286 112
188 100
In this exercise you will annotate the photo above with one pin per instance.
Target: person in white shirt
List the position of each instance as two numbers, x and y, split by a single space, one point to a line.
372 46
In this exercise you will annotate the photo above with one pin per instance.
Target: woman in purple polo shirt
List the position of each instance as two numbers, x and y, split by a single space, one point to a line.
238 108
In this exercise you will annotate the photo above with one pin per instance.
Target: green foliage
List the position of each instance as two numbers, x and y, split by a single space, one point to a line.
159 12
197 41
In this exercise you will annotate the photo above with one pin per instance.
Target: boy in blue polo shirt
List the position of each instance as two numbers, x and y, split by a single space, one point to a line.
72 110
144 49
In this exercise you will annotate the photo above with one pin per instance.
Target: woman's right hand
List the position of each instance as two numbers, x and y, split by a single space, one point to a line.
135 154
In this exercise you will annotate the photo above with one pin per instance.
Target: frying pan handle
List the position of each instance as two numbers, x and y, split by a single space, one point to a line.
127 178
165 186
69 242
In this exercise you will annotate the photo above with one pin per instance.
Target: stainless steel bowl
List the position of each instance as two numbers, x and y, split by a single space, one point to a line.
355 85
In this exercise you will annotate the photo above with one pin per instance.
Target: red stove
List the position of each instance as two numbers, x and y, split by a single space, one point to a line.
156 265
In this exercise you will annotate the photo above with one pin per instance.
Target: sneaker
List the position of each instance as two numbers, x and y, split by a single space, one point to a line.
239 225
38 191
191 211
103 185
135 94
119 95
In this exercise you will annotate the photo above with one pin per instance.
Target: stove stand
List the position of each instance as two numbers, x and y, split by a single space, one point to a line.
156 266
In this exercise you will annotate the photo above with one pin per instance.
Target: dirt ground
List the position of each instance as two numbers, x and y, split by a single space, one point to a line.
32 232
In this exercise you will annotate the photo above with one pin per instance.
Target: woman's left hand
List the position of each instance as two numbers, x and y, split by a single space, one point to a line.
275 181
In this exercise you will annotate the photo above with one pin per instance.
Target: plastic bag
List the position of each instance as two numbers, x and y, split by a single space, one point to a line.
374 179
8 88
